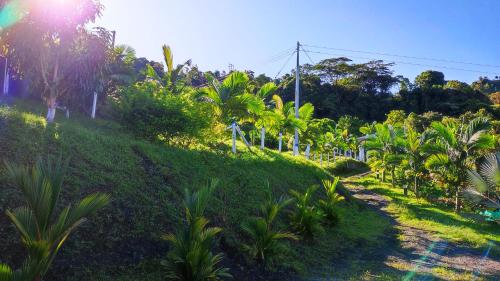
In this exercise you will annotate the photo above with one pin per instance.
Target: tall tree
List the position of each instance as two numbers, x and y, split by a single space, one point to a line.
42 43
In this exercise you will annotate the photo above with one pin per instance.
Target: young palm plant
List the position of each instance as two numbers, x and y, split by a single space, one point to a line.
42 231
455 150
386 145
191 258
329 205
265 241
306 219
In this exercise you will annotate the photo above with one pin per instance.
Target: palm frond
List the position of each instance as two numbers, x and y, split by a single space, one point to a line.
278 103
445 133
5 273
306 112
436 161
168 57
266 90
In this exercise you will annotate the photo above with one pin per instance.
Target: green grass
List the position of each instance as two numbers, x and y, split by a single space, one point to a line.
435 218
146 181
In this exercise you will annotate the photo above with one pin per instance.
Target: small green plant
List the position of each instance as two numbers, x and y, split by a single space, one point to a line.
264 240
191 258
329 205
306 219
42 231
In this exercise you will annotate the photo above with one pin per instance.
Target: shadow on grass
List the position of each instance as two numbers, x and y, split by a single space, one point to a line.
439 214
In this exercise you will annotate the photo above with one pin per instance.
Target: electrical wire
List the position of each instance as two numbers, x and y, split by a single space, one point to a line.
408 63
284 65
404 56
279 56
307 54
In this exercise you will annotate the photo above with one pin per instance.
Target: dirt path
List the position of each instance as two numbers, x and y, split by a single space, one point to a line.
421 254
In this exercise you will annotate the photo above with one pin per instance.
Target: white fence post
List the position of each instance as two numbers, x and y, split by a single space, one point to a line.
233 126
94 104
262 138
280 140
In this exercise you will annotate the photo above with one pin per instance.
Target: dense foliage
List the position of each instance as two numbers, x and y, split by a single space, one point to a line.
432 136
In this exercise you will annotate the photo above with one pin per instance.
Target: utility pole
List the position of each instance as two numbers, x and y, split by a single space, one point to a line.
113 38
297 94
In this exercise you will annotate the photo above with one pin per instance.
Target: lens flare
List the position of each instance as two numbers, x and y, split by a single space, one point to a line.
11 13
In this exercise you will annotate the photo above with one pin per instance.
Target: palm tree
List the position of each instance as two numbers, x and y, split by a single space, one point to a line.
386 144
172 78
42 231
232 97
122 65
414 146
484 184
264 118
285 120
455 150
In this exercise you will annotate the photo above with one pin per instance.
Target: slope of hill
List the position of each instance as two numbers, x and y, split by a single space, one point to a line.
146 181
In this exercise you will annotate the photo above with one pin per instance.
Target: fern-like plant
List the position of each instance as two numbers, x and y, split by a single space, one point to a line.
191 257
329 205
42 231
264 240
306 219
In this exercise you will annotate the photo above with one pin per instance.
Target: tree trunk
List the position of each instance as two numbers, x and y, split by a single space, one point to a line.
415 186
383 175
51 109
457 199
392 176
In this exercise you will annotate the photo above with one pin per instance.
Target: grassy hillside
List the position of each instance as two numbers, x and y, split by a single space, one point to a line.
146 181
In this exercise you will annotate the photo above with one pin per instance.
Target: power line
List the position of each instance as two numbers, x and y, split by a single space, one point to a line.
279 56
307 54
408 63
284 65
403 56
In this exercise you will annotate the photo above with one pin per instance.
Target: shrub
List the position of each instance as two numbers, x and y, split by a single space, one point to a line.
151 112
306 219
329 205
348 167
264 240
191 258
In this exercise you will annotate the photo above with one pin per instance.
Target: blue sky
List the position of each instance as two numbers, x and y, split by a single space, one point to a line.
214 33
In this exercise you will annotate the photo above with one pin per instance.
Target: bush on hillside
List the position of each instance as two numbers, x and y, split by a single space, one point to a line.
152 112
348 167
